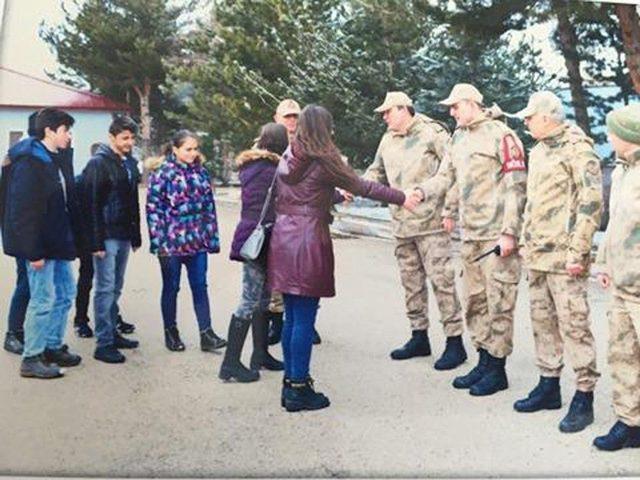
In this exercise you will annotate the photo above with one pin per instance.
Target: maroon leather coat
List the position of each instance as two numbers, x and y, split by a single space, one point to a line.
300 260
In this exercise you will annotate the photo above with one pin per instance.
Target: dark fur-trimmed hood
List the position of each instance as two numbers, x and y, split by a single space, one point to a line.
254 155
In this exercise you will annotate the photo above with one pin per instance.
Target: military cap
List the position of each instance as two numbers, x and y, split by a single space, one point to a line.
462 91
541 102
394 99
288 107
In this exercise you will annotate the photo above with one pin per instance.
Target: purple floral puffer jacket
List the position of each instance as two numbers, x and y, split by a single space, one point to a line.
181 212
257 168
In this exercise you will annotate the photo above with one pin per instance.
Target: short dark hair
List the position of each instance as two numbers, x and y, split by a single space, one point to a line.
274 138
51 118
121 123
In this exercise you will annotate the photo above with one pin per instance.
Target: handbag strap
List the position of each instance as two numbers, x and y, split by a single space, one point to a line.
267 199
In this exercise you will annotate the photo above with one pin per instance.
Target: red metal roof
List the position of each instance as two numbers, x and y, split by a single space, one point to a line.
21 90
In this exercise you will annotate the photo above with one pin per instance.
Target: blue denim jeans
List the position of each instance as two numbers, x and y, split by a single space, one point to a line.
171 268
297 335
20 298
52 289
108 282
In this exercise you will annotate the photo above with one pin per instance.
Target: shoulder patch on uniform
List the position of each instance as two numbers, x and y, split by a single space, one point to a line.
512 154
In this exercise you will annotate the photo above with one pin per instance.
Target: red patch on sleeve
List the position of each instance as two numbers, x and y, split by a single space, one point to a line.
512 155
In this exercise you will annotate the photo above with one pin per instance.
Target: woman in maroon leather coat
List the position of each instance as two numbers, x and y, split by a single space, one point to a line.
300 259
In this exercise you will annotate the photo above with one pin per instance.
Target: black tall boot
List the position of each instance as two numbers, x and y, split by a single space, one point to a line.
261 358
275 327
231 366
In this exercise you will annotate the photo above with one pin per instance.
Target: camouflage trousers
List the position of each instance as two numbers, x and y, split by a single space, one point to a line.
490 292
624 359
276 305
429 257
560 321
255 293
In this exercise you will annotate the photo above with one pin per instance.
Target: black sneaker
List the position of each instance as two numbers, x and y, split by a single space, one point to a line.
120 342
36 367
83 330
62 357
109 354
124 327
14 342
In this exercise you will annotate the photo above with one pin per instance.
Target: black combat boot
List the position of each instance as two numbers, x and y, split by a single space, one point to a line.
62 357
124 343
620 436
82 328
210 342
261 358
124 327
580 414
417 346
493 380
454 354
14 342
172 339
275 327
545 396
476 373
302 396
232 367
37 367
109 354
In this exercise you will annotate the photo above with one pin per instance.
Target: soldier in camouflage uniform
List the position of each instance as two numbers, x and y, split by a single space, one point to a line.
485 159
619 258
409 153
562 213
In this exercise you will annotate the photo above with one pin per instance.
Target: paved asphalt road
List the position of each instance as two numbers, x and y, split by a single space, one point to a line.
167 414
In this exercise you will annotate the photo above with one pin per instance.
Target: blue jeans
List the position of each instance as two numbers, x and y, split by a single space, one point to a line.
108 282
297 335
53 289
171 268
20 298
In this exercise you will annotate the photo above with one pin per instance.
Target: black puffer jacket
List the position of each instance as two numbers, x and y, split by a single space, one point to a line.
109 192
40 217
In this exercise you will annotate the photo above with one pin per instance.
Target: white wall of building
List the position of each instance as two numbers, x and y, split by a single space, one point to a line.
91 126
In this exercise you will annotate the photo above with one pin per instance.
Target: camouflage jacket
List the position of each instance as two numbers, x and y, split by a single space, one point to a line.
564 201
620 251
403 161
486 161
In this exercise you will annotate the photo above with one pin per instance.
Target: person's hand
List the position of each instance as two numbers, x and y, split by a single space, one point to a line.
604 280
411 200
574 269
507 244
37 264
348 196
448 224
99 254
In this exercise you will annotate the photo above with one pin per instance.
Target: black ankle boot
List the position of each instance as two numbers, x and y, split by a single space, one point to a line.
545 396
454 354
476 373
417 346
210 342
620 436
286 384
493 380
302 396
580 414
232 367
261 358
172 339
275 327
